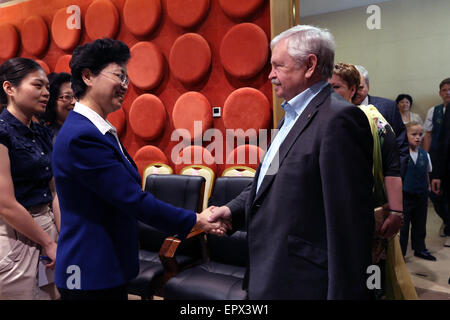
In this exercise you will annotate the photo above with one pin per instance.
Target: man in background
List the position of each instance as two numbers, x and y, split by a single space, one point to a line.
434 126
388 108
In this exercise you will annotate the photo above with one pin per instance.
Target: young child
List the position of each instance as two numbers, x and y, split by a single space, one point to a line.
416 186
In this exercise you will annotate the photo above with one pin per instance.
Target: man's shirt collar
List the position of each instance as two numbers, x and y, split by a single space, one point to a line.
365 102
300 101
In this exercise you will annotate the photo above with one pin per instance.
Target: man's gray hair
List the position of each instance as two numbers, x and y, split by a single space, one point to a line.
363 72
304 40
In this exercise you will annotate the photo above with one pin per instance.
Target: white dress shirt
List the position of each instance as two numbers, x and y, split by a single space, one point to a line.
104 126
294 109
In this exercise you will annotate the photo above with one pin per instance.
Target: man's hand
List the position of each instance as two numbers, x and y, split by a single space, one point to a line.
222 214
436 186
391 226
208 225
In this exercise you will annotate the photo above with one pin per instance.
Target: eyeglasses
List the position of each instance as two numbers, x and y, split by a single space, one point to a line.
66 97
123 78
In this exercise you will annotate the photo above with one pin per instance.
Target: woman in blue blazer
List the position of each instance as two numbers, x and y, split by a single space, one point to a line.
99 186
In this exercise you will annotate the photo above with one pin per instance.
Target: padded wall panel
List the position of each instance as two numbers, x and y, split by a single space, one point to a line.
190 58
192 155
239 9
65 38
43 65
147 65
147 155
9 41
63 64
102 20
187 13
246 108
142 17
34 35
245 155
190 108
244 50
147 116
117 119
149 21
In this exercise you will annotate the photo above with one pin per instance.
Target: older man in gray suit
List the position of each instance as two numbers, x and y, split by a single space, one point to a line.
308 213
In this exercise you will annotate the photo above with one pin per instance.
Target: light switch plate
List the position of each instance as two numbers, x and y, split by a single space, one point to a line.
217 112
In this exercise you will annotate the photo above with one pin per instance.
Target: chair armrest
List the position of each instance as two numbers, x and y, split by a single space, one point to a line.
169 249
195 232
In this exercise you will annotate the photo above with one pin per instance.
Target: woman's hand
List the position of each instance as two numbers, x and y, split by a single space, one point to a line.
50 251
391 226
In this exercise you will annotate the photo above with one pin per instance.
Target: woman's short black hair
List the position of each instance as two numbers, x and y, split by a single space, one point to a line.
15 70
56 81
402 96
95 56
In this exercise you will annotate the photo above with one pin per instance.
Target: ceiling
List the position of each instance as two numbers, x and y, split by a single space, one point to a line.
314 7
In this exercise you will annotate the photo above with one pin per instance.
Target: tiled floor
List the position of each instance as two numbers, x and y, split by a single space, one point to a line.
431 277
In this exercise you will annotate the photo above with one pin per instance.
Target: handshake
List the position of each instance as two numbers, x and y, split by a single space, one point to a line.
214 220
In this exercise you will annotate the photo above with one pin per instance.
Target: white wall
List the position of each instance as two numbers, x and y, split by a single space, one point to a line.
409 54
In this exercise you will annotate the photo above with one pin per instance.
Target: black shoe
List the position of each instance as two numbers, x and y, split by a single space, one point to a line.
425 254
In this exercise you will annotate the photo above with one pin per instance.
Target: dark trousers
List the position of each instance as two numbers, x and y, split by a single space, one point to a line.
415 213
440 203
116 293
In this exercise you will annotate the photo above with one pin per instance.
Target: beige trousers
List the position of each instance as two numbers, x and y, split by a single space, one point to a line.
19 259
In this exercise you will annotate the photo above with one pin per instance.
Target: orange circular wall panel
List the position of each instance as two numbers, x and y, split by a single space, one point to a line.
244 50
102 20
245 155
146 66
62 65
246 108
186 13
192 155
147 116
43 65
190 58
9 41
117 119
142 17
65 38
190 107
148 155
240 9
34 35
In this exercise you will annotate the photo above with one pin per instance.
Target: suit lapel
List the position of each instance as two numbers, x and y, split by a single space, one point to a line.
125 157
111 141
258 170
302 122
